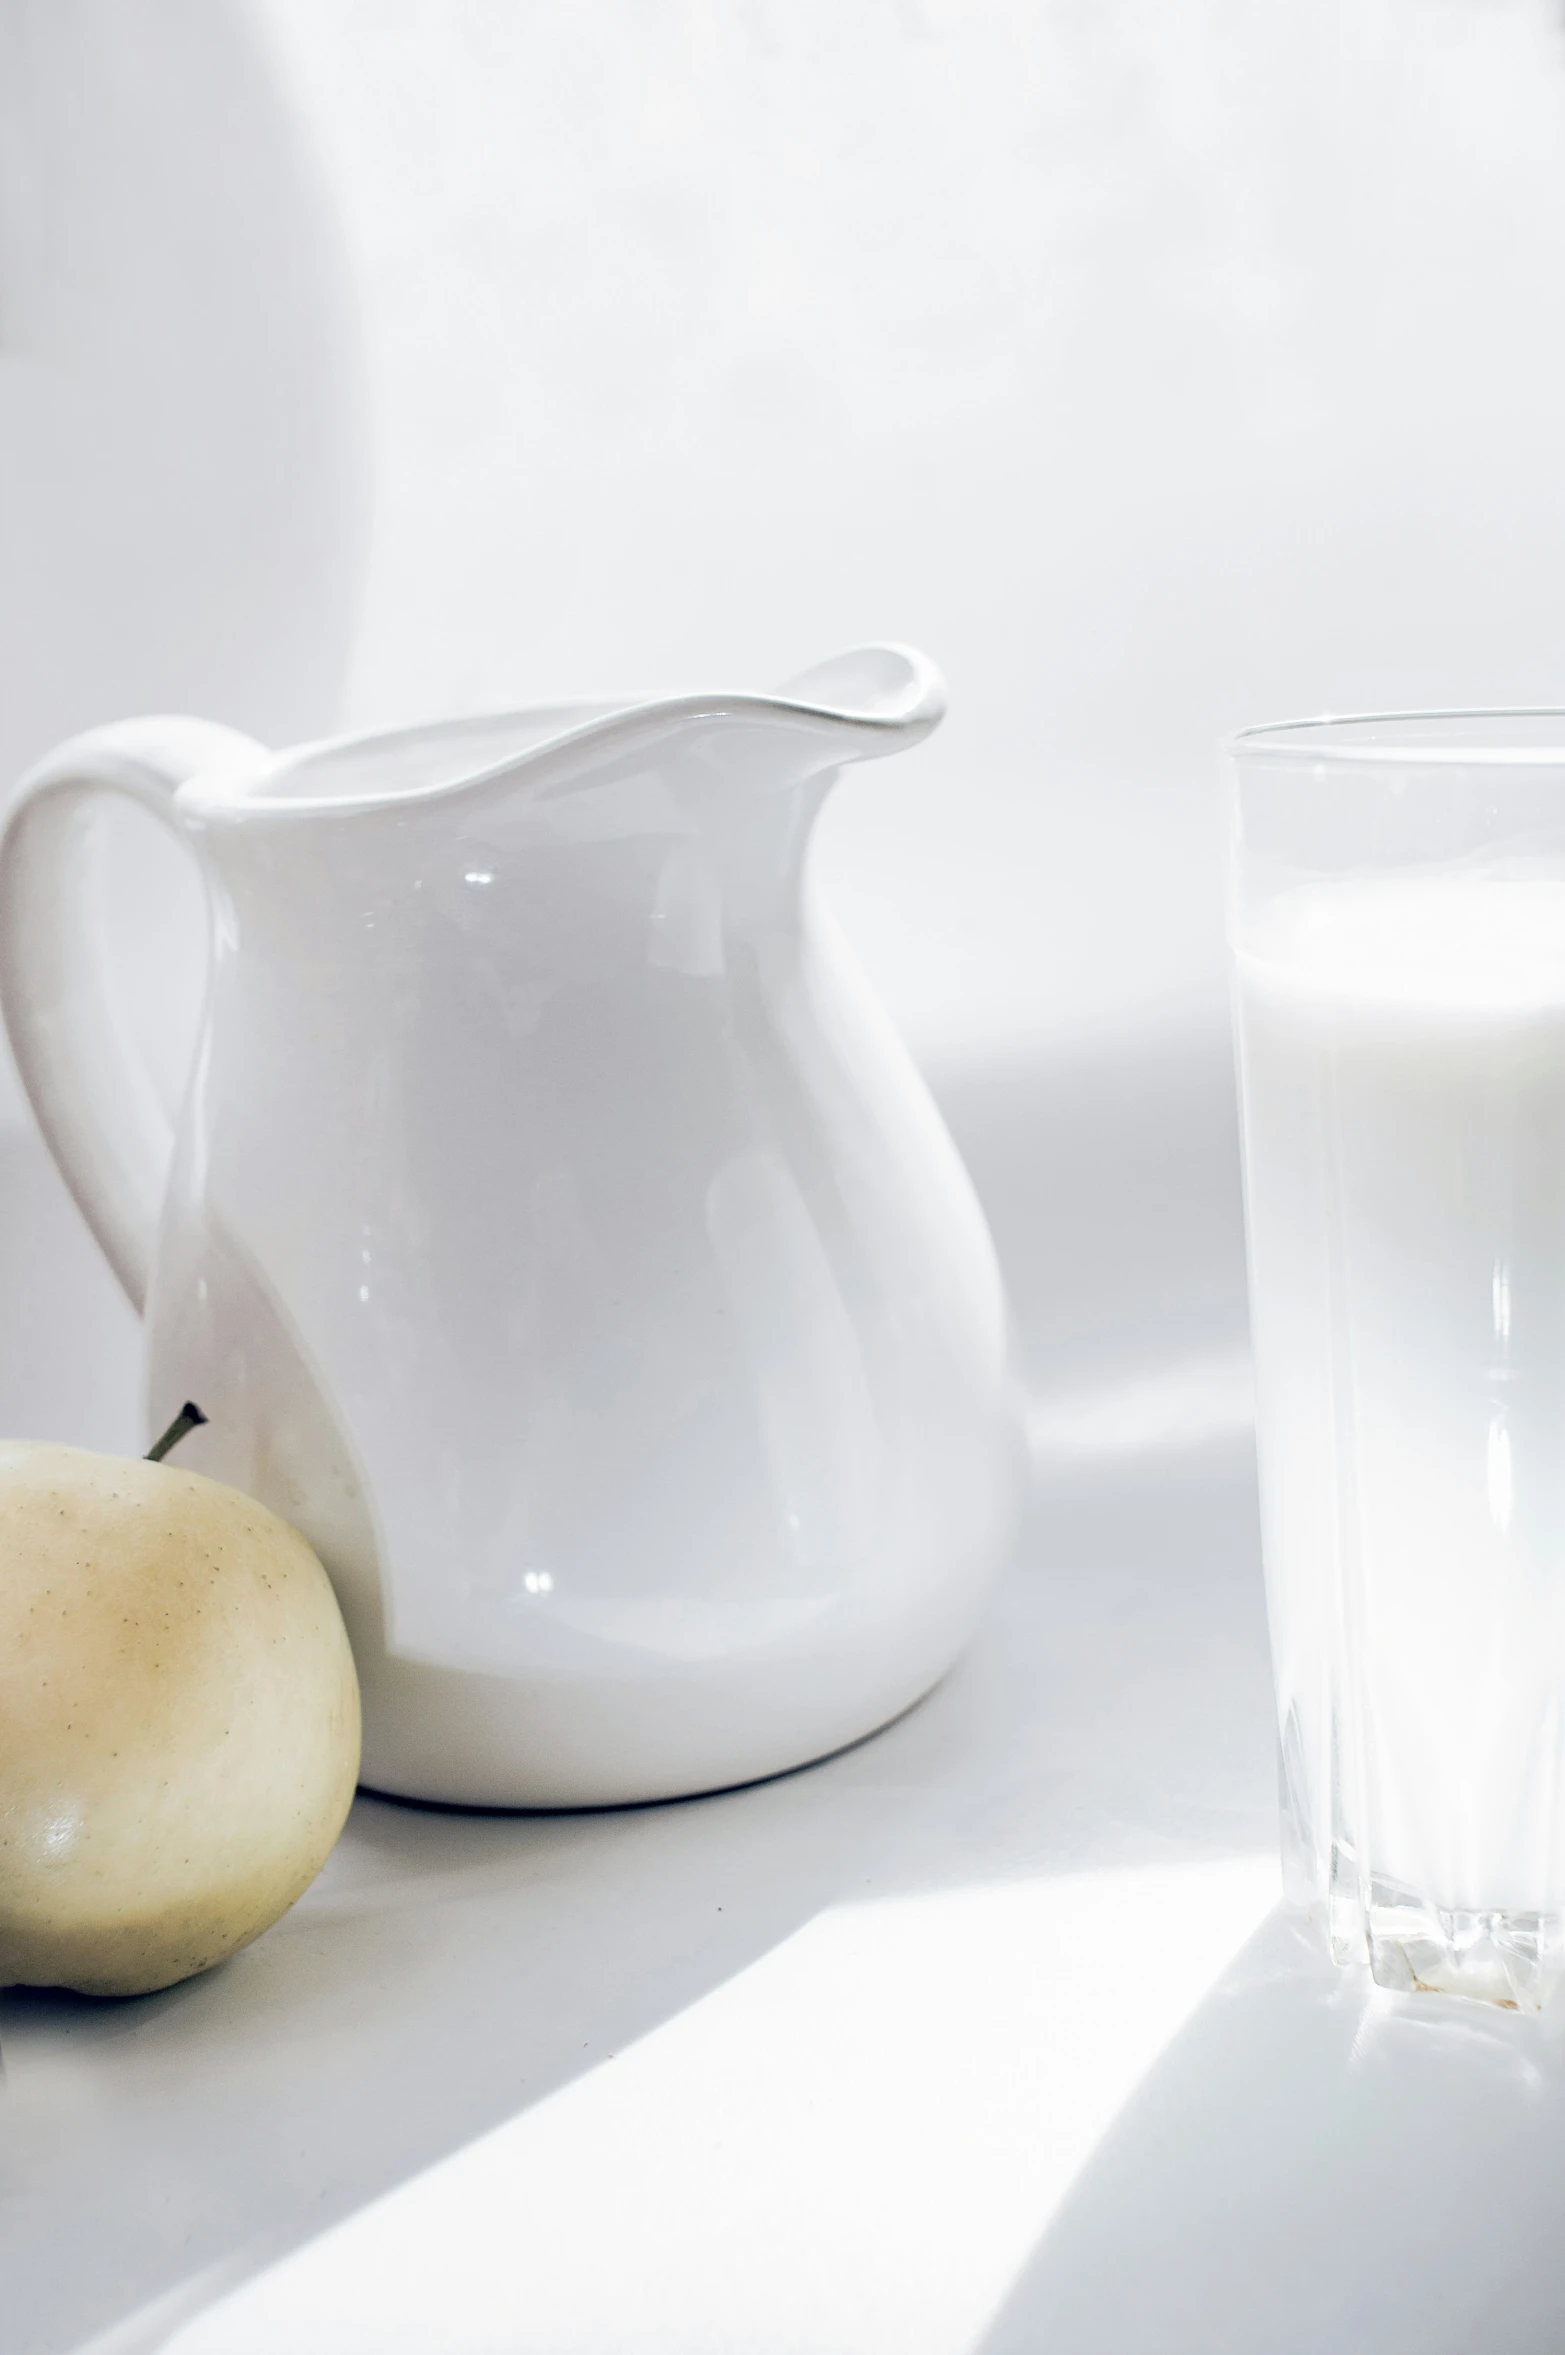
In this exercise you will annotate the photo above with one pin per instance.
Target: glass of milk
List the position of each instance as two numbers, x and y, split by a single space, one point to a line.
1397 922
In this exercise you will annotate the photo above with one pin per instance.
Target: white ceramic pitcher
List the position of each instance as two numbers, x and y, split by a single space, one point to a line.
553 1230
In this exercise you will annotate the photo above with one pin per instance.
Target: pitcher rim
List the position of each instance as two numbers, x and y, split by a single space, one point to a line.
243 789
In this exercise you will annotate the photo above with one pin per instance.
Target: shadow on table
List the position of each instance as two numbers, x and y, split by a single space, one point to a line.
1316 2168
449 1972
446 1973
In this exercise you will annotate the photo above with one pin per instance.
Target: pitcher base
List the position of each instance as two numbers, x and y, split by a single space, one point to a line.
479 1741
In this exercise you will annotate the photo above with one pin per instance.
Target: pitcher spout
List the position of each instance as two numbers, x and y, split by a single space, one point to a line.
892 691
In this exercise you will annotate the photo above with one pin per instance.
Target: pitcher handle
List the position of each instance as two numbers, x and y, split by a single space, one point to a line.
86 1082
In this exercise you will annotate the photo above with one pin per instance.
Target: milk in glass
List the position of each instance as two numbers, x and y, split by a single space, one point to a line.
1402 1058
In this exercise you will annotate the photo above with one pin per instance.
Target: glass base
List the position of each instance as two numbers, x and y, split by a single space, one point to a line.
1513 1958
1510 1959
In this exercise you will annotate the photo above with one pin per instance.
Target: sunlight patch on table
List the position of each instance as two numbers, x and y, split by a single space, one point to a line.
853 2144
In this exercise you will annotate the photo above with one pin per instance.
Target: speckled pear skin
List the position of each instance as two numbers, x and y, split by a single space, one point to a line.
179 1720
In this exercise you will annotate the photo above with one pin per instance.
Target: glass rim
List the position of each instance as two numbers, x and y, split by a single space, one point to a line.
1458 738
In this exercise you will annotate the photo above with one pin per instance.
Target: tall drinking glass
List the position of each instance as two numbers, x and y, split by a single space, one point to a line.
1397 924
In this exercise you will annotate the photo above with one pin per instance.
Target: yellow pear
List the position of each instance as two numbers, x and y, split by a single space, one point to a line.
179 1720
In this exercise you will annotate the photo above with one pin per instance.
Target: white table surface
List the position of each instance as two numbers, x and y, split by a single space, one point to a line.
985 2035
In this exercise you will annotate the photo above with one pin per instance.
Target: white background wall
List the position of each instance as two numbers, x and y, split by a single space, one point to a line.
1158 368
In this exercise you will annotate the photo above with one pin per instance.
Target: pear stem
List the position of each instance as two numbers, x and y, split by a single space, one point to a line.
187 1420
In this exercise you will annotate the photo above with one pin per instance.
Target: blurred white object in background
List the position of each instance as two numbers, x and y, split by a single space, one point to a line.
182 486
180 427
